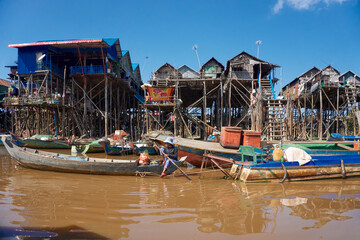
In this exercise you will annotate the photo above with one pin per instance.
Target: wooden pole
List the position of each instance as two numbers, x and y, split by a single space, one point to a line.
321 114
312 116
230 86
204 109
221 104
111 107
281 82
118 107
106 94
304 125
63 105
337 109
175 127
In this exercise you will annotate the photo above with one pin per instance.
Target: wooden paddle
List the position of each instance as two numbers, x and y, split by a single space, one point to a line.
172 161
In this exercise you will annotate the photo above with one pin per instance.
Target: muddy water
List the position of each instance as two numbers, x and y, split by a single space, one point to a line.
75 206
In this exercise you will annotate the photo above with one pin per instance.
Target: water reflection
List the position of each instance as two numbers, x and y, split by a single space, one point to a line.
129 207
323 201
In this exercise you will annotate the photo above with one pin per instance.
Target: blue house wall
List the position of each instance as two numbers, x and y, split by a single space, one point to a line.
27 59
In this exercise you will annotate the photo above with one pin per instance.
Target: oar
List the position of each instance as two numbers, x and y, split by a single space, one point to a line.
172 161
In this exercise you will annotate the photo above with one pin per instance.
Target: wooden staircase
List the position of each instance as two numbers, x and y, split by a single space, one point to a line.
275 119
351 97
266 89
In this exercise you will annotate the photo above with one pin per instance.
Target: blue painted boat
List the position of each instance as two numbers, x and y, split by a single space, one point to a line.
320 167
323 148
143 148
115 150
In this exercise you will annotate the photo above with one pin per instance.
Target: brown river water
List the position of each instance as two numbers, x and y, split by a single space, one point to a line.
49 205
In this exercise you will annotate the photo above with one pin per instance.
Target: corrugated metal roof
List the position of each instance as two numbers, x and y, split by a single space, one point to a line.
64 43
5 83
110 41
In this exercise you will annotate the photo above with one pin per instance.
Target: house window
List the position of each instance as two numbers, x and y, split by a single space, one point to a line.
40 57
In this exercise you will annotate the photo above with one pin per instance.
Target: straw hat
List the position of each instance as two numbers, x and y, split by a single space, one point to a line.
169 140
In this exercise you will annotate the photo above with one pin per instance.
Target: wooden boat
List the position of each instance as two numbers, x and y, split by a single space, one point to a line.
338 136
3 132
195 149
93 147
65 163
144 148
321 167
40 144
324 148
115 150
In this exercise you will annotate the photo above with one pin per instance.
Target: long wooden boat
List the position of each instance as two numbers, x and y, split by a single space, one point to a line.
115 150
321 167
143 148
324 148
93 147
41 160
40 144
195 149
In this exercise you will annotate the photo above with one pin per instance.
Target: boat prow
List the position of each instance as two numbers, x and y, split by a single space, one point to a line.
41 160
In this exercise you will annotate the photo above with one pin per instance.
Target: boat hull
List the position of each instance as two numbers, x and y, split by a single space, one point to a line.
195 149
318 169
110 150
150 150
195 156
64 163
40 144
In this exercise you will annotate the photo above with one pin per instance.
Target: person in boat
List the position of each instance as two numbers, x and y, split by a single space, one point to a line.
169 151
144 159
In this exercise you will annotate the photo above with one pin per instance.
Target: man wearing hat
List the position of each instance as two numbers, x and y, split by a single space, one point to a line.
169 151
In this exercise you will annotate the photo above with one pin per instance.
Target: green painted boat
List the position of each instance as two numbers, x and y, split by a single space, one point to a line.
39 143
94 147
324 148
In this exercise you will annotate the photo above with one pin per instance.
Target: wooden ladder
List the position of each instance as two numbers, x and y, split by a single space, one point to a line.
275 119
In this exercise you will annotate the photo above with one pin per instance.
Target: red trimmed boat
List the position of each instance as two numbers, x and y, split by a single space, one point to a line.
195 149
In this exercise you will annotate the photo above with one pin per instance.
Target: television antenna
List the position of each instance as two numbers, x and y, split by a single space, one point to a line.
195 47
142 69
258 42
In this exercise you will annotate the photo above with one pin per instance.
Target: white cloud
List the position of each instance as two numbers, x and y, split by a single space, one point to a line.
302 4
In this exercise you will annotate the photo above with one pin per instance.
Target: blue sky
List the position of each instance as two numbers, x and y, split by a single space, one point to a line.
295 34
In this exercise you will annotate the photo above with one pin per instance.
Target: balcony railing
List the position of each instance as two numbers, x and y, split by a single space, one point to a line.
92 69
37 100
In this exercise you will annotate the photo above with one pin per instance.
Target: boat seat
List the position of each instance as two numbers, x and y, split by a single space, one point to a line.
252 152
